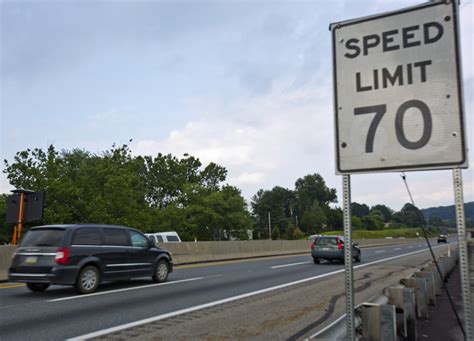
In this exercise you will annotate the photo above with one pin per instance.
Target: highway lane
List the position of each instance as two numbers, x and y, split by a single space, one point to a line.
58 313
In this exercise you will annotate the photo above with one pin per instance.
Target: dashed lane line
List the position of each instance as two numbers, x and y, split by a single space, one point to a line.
126 289
286 265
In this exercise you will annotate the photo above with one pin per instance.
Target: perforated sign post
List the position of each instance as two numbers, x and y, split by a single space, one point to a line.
397 99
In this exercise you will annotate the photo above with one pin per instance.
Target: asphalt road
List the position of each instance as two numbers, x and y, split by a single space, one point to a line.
59 313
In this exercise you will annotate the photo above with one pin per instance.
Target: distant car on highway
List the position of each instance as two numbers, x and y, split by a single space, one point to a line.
442 238
164 237
332 248
86 255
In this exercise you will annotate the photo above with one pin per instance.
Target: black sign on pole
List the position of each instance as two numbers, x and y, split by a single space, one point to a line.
33 206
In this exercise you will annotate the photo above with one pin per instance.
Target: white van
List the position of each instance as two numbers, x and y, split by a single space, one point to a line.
164 237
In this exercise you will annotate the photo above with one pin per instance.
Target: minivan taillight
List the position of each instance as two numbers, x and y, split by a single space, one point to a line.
339 244
62 256
311 245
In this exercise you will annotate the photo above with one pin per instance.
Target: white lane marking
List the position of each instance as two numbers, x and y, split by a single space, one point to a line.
125 289
285 265
231 299
379 251
398 248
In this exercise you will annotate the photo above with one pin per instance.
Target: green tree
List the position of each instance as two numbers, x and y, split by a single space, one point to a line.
310 188
314 220
409 216
386 211
278 202
6 232
373 221
150 193
359 210
334 218
357 223
275 233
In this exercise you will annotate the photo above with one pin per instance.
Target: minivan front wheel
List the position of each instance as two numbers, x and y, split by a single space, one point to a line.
161 272
37 287
88 280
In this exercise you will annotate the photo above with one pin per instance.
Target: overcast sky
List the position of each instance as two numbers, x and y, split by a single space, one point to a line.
245 84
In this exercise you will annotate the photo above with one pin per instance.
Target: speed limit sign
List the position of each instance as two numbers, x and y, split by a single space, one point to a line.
398 91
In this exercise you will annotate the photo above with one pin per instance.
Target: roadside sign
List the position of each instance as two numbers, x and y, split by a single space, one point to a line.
398 91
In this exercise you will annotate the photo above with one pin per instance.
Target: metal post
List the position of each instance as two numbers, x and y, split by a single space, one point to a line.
20 216
463 255
349 275
269 226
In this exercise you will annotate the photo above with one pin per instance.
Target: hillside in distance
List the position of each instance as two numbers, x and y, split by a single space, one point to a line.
448 215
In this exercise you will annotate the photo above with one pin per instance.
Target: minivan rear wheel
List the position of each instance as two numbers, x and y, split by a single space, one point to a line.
37 287
161 272
88 280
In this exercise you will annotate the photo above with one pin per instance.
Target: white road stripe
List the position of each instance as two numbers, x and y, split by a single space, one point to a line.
379 251
125 289
398 248
285 265
231 299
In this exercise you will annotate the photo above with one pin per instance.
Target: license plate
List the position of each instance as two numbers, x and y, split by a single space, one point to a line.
325 249
31 260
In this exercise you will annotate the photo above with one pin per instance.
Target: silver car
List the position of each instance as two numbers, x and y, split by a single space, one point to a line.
332 248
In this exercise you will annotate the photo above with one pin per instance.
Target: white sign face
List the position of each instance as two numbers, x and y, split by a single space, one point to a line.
398 98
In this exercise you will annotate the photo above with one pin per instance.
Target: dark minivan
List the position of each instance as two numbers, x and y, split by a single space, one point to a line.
86 255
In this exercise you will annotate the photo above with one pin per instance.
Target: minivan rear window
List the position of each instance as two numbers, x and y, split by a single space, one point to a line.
43 237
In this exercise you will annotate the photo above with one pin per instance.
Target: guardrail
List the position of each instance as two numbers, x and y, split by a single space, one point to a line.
394 314
199 252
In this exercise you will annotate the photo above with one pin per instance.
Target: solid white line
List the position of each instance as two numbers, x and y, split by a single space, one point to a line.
380 251
125 289
231 299
285 265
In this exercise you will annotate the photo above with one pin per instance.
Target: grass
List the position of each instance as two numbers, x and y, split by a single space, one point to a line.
375 234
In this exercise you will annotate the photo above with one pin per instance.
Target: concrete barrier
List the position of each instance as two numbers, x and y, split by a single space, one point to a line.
6 252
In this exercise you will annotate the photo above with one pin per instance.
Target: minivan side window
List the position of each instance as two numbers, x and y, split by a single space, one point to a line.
116 237
172 238
160 238
138 240
86 236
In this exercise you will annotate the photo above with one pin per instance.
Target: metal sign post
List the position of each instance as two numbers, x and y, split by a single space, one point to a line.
349 274
463 255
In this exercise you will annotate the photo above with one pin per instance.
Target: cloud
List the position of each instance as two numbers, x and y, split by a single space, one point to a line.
263 141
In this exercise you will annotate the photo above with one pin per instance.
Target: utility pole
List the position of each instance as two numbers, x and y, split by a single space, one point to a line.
269 226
